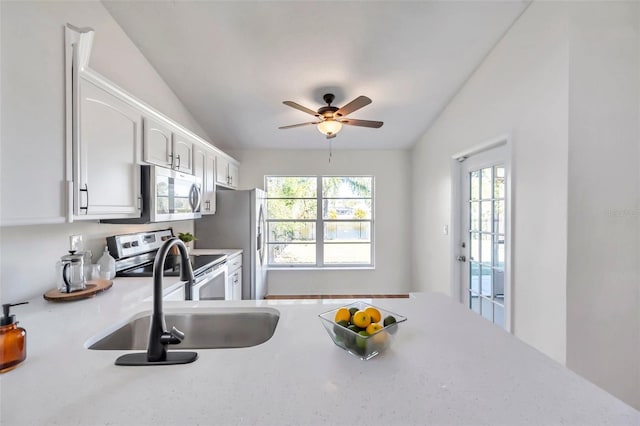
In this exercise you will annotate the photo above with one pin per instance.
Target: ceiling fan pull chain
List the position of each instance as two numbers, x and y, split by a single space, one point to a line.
330 149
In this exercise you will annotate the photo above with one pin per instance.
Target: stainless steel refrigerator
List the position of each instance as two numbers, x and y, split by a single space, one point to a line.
239 223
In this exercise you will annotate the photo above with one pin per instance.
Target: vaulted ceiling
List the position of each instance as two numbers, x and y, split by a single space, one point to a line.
232 63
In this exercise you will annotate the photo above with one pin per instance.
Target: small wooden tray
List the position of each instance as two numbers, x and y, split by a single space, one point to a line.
93 287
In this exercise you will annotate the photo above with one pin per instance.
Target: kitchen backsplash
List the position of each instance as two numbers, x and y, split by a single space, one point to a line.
28 254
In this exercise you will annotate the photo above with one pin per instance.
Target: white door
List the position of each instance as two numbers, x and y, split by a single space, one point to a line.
482 237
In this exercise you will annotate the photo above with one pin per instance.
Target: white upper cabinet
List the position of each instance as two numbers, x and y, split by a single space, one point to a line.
105 156
182 153
165 148
204 168
157 143
227 172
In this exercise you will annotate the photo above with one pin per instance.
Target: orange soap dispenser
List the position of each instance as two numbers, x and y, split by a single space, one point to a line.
13 340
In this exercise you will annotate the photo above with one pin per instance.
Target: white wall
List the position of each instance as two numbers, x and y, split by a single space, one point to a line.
563 84
603 277
32 145
520 91
392 216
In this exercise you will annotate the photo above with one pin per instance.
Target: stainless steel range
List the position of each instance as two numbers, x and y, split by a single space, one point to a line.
135 254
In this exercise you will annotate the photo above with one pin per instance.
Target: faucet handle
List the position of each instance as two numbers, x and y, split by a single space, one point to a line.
172 337
177 333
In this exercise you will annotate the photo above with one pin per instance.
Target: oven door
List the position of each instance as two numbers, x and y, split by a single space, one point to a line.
212 285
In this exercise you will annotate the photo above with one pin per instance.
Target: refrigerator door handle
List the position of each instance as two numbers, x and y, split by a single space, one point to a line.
261 229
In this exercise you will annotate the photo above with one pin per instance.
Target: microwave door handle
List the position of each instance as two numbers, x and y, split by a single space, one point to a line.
194 198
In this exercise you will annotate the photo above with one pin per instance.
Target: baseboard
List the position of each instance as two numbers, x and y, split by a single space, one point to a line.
336 296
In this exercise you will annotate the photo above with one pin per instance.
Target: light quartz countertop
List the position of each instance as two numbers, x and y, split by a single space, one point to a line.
447 366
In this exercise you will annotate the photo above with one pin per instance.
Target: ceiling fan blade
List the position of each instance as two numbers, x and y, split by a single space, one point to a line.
299 125
362 123
301 108
356 104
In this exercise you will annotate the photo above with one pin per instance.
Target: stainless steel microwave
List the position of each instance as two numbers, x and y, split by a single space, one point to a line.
167 195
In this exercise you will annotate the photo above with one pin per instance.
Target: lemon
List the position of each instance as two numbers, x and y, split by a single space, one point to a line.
373 327
342 314
361 319
374 314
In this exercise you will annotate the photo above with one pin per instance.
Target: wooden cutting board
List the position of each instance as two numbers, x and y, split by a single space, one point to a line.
93 287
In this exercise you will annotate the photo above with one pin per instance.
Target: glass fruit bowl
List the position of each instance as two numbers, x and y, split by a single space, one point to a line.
346 329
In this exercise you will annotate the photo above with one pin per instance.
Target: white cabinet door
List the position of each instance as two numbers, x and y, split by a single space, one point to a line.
227 172
234 175
157 143
234 286
106 171
182 154
204 168
209 184
222 168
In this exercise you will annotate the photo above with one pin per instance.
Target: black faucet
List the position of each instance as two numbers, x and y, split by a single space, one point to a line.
159 337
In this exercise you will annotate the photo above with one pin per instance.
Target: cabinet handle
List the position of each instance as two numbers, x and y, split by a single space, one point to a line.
139 203
178 165
85 190
208 203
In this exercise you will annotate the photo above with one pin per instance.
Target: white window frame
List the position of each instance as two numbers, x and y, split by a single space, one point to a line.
319 227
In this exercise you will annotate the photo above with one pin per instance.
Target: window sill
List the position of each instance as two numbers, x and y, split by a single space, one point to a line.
317 268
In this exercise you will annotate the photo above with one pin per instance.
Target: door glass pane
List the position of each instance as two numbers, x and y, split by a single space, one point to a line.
475 184
498 251
485 281
486 309
485 218
474 278
474 246
486 185
474 213
498 184
486 250
498 284
498 216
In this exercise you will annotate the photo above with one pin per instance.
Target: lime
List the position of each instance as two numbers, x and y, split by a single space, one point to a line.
390 324
353 310
361 340
389 320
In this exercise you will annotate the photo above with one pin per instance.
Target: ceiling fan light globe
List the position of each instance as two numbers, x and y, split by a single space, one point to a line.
329 127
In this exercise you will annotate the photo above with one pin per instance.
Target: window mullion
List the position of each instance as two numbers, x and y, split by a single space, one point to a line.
319 224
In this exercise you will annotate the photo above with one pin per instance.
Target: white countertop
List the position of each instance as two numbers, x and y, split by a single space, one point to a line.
447 366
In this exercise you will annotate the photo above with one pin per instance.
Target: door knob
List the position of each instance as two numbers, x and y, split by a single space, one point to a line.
461 258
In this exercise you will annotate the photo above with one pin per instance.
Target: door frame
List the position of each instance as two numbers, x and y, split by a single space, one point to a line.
455 236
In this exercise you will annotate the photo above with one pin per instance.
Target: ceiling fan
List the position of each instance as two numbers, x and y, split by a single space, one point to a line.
331 118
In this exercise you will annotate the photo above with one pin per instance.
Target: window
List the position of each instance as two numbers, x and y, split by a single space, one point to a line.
320 221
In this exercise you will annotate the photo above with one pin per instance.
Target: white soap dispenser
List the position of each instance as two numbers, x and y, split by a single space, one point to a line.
107 265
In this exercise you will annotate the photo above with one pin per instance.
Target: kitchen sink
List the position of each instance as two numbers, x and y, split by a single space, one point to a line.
210 329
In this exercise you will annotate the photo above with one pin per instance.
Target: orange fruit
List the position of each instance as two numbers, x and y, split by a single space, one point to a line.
374 314
342 314
373 327
361 319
